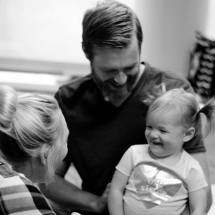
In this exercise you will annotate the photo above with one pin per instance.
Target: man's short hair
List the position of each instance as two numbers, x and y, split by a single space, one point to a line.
109 24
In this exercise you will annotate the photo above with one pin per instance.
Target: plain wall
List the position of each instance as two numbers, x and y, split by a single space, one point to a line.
49 32
169 31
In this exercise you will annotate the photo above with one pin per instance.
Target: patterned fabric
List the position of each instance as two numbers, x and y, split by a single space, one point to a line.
202 66
18 196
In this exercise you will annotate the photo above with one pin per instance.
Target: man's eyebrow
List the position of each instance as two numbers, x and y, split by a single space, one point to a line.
114 68
108 69
130 66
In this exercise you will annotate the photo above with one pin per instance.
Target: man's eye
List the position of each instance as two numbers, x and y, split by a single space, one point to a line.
130 70
148 127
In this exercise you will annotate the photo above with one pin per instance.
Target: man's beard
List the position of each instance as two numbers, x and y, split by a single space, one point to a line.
115 95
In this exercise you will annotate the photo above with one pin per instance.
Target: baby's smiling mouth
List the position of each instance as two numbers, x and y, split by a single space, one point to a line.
156 143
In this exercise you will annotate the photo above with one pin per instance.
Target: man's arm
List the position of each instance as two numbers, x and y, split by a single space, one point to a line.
70 196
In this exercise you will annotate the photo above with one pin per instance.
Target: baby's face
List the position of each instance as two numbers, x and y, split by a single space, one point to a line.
164 133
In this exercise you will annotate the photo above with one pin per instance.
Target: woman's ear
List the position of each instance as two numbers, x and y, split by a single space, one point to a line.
44 152
189 134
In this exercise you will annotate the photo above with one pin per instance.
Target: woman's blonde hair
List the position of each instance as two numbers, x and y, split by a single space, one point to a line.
27 122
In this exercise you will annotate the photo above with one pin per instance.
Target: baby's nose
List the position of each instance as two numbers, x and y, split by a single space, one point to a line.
154 134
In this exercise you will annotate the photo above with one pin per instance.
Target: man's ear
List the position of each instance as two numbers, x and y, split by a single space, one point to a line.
189 134
44 152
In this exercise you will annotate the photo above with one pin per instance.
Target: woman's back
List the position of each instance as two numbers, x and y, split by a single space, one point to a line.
20 195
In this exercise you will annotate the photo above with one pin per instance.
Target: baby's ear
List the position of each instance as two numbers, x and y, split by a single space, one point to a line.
189 134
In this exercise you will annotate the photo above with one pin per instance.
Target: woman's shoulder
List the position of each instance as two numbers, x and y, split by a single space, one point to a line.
18 194
5 169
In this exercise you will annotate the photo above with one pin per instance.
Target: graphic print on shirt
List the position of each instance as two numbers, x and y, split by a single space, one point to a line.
155 184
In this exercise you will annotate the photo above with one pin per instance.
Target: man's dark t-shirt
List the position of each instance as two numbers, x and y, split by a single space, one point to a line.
100 133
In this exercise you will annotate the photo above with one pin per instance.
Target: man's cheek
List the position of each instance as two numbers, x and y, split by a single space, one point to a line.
131 80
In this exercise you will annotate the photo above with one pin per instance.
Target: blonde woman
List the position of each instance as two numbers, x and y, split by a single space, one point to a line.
33 139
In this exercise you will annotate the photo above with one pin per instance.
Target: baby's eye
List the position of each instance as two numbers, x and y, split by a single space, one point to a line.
163 131
148 127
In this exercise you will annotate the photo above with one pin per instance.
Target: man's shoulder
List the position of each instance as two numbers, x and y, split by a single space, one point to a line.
170 79
75 83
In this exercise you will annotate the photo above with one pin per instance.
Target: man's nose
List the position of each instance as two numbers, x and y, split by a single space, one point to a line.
120 78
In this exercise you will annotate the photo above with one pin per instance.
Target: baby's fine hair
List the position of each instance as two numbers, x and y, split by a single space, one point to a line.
27 121
187 106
